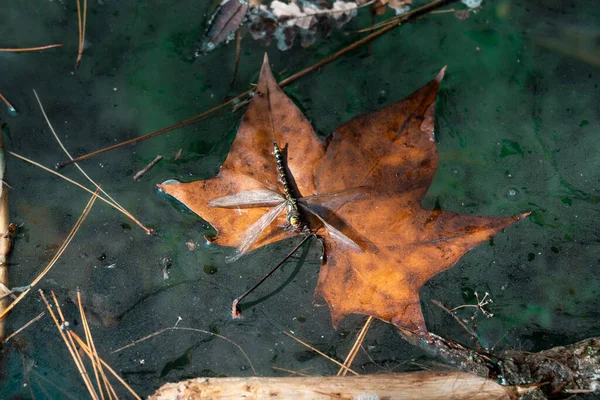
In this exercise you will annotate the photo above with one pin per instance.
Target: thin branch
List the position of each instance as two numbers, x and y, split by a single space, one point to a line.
81 23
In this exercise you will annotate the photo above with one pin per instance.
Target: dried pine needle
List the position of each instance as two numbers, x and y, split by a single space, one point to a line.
62 248
148 230
60 143
354 350
321 353
21 329
24 49
68 342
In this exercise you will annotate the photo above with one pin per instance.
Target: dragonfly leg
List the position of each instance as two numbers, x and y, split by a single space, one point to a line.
236 312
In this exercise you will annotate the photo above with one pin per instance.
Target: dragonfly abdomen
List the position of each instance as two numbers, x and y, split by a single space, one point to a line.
293 214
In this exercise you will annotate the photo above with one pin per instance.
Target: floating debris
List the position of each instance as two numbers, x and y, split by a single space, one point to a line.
143 171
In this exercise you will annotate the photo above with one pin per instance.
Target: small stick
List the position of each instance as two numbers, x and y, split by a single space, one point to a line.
10 106
147 168
23 49
354 350
235 309
21 329
321 353
462 324
206 114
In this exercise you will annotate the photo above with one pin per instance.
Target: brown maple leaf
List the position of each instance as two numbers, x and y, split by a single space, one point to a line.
391 156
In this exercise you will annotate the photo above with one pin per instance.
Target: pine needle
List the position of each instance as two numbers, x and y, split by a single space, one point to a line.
112 371
321 353
81 22
24 49
354 350
21 329
60 143
62 248
148 230
70 346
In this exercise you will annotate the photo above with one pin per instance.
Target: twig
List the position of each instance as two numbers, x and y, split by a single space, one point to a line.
23 49
354 350
462 324
21 329
62 146
62 248
147 230
177 328
206 114
235 309
320 353
147 167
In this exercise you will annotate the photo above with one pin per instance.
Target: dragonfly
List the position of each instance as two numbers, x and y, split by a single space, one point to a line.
296 208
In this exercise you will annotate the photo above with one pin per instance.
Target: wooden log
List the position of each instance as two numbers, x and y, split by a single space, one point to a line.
413 385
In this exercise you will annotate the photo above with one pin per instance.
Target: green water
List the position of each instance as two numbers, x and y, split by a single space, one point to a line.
517 122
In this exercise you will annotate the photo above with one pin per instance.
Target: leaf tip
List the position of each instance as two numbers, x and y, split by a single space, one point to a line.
441 74
266 67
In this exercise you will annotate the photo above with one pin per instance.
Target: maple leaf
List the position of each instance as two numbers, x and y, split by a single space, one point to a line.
391 153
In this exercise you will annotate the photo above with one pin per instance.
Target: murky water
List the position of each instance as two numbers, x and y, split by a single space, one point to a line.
517 123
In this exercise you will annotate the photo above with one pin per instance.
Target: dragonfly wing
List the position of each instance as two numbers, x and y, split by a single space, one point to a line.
335 233
255 230
248 198
338 197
